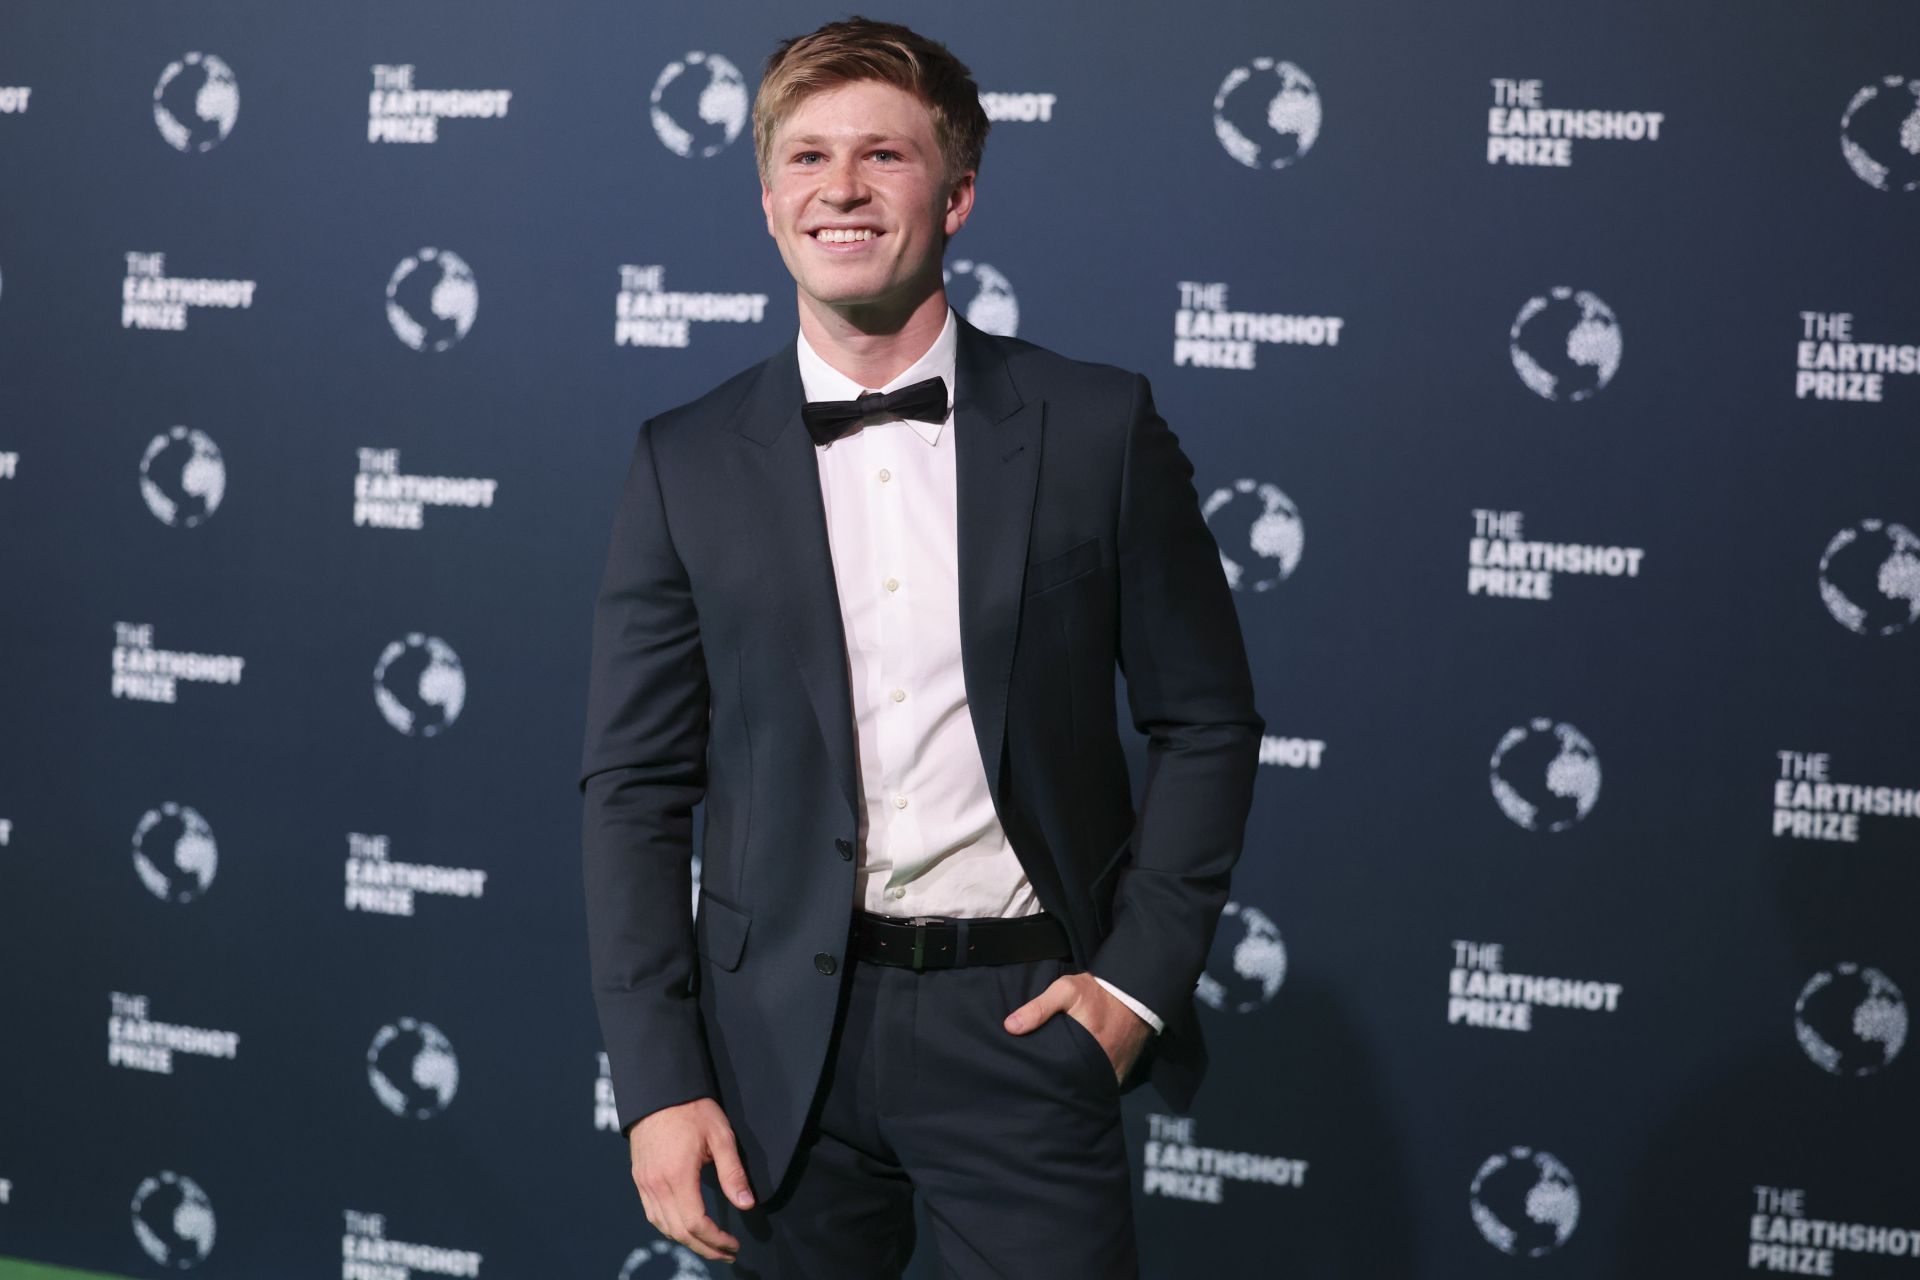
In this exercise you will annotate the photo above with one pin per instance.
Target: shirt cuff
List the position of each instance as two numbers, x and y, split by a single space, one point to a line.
1146 1015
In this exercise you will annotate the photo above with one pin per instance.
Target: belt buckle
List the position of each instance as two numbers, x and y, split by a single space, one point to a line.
920 924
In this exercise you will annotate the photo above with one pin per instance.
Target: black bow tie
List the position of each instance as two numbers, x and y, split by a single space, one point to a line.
828 420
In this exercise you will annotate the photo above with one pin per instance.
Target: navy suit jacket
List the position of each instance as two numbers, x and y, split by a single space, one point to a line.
719 673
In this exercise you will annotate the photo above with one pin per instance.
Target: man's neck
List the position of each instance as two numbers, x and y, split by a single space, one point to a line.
873 350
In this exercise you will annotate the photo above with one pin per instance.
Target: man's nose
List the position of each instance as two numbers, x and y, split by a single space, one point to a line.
844 185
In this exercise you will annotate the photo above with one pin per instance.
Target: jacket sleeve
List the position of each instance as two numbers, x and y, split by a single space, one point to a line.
643 769
1189 690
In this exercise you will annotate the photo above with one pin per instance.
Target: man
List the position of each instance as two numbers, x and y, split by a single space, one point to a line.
878 639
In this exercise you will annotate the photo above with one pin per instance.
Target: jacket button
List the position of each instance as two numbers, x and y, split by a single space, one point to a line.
845 847
825 963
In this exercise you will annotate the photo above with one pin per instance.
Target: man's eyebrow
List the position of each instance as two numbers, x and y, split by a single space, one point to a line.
814 139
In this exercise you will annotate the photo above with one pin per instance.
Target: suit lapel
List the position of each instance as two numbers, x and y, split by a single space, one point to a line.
778 479
997 455
997 446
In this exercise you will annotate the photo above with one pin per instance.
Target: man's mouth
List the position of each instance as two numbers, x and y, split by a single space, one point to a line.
844 235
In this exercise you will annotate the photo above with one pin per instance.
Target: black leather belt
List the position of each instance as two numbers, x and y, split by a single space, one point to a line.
953 942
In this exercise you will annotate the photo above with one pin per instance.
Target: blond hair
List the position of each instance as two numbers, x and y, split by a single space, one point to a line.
858 49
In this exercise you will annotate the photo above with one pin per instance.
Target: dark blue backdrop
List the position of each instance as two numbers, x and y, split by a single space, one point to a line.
1468 786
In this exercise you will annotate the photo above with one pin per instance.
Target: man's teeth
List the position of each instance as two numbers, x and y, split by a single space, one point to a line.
841 235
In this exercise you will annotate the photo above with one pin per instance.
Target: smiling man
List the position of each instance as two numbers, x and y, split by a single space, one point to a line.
867 600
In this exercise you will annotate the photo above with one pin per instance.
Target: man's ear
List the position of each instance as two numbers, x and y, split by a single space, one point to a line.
959 203
766 204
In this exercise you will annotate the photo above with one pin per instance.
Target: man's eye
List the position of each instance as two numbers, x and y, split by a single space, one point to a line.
887 155
805 156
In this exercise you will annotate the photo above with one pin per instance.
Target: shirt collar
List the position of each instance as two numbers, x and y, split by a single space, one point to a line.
821 381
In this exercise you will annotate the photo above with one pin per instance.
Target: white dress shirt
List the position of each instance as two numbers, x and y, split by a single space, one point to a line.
930 842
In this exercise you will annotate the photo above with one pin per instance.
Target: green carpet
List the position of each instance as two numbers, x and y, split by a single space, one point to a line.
14 1269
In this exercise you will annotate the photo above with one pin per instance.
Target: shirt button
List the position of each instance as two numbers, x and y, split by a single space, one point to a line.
896 894
899 802
825 963
899 695
885 475
893 584
845 847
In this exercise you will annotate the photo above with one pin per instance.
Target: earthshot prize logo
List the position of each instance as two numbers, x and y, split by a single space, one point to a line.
1503 564
1880 134
664 1260
1174 1166
419 685
384 498
412 1068
174 853
1781 1238
1851 1020
196 102
606 1114
1809 805
152 299
1267 113
173 1220
647 314
1259 533
1829 364
1525 1202
1521 131
1246 964
1481 993
1545 776
1565 344
378 884
698 105
368 1253
982 294
398 112
183 477
1208 334
137 1042
142 673
1008 108
1870 578
432 299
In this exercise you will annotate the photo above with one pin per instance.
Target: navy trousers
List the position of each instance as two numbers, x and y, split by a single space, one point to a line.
1014 1142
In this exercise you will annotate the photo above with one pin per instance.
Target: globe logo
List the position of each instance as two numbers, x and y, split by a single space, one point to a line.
1545 776
419 686
1247 963
173 1220
1851 1021
183 477
1258 531
196 102
432 299
664 1260
699 105
1566 345
1525 1202
984 297
1880 134
411 1067
1267 114
1870 578
174 853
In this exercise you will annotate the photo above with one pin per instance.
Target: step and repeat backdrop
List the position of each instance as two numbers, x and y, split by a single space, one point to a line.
1551 381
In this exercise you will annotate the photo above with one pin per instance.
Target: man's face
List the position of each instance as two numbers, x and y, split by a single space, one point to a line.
857 200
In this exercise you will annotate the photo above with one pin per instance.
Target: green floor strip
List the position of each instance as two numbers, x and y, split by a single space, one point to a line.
14 1269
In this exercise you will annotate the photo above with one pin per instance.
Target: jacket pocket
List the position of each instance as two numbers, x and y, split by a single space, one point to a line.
720 931
1076 560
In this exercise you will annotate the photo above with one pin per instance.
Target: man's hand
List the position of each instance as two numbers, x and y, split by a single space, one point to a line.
1120 1031
669 1146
